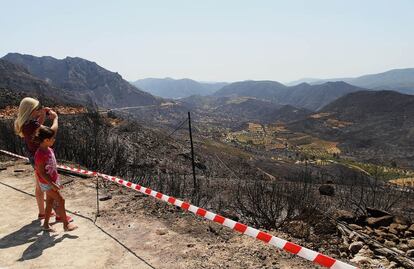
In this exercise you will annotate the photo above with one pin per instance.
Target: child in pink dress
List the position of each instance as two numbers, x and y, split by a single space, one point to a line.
46 171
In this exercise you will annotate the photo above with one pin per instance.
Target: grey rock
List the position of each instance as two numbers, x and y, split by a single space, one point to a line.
393 225
401 227
105 197
369 230
403 247
393 231
355 226
380 233
398 250
391 237
355 247
389 244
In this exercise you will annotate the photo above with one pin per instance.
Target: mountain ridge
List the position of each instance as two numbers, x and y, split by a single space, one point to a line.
81 76
16 82
400 79
304 95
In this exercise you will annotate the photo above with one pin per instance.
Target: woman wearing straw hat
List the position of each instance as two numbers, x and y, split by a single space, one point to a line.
30 118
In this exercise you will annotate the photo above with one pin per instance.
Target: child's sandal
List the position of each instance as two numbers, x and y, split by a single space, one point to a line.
68 218
70 227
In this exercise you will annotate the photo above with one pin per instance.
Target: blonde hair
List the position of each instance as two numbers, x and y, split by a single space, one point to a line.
26 107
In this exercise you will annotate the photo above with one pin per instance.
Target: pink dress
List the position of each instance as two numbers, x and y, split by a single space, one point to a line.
47 159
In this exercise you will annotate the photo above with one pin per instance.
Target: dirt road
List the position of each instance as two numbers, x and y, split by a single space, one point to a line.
24 245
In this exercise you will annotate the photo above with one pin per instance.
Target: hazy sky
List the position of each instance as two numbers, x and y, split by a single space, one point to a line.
221 40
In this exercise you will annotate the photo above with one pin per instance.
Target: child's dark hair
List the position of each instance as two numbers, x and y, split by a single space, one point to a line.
44 132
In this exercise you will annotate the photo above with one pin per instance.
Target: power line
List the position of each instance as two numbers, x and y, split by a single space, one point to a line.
176 129
228 168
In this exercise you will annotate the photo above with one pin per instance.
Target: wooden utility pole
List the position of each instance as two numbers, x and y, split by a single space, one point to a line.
192 152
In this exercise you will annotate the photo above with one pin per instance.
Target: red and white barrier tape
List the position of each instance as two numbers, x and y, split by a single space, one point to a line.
77 170
293 248
14 155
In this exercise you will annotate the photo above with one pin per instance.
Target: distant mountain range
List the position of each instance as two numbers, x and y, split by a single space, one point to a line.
401 80
83 78
177 88
312 97
308 93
